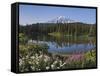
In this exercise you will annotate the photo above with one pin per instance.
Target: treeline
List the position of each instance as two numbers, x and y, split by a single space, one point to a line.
66 28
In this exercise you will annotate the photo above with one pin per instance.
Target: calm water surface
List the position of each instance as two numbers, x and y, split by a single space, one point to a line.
63 45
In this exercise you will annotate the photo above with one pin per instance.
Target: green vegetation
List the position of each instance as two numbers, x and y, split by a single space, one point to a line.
33 57
36 58
58 29
57 34
22 38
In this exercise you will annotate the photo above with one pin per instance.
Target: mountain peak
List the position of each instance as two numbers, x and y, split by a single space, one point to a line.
61 19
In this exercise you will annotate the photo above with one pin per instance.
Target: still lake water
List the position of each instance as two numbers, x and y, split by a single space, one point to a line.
65 44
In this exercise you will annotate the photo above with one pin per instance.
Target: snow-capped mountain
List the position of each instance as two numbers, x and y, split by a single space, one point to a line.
61 19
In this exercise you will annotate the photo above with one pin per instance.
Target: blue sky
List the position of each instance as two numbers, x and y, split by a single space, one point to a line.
29 14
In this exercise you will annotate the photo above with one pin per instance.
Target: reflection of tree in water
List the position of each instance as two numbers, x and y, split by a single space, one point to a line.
62 41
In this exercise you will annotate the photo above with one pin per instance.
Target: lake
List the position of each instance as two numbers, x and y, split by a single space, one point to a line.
65 44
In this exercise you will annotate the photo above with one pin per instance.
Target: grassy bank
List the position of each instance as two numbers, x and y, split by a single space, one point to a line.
59 34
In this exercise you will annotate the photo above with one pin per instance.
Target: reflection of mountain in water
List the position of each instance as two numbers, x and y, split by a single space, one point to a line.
64 44
62 41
